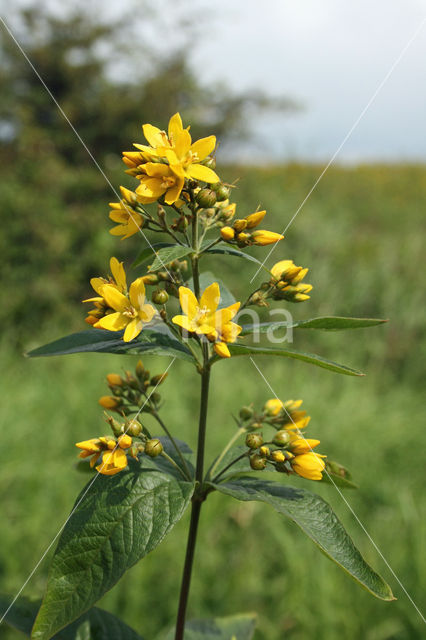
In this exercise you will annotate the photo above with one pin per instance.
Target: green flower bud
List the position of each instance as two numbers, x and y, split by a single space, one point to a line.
209 162
159 296
281 438
153 448
206 198
222 192
246 413
133 428
254 440
159 379
155 397
257 463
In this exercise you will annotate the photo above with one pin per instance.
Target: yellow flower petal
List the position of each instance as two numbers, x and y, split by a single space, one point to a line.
118 273
203 147
303 445
137 293
222 350
188 302
175 126
199 172
112 462
281 267
151 188
211 297
147 312
97 283
133 329
182 143
114 298
184 322
255 218
263 238
112 322
152 134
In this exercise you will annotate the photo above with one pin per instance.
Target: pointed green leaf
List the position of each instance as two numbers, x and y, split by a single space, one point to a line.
166 255
230 251
157 340
316 518
147 253
116 521
311 358
325 323
96 623
238 627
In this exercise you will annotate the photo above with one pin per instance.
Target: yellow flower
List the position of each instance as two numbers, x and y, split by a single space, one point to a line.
160 179
118 281
286 270
90 448
204 318
308 465
129 220
263 238
124 441
131 312
114 380
112 462
254 219
303 445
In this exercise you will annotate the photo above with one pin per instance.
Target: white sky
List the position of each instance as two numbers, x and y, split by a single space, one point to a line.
331 55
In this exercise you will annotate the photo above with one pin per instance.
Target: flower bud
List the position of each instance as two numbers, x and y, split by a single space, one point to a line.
254 440
109 402
124 441
114 380
155 397
239 225
133 451
243 239
227 233
272 407
140 369
206 198
159 296
159 379
254 219
257 463
278 456
153 448
133 427
264 451
150 278
116 427
246 413
209 162
222 192
264 238
281 438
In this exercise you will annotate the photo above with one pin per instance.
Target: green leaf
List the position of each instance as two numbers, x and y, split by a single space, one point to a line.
146 253
117 520
168 254
316 518
96 623
326 323
164 465
229 251
311 358
238 627
157 340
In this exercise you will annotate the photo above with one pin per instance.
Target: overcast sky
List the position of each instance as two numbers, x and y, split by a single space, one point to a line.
331 55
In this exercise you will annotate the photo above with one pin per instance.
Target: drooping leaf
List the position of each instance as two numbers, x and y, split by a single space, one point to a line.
311 358
95 623
325 323
167 254
116 521
316 518
147 253
155 340
230 251
238 627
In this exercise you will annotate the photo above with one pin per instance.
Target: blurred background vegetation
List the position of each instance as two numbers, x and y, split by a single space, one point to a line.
361 235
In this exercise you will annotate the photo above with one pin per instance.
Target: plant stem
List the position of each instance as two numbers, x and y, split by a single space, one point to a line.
228 466
197 500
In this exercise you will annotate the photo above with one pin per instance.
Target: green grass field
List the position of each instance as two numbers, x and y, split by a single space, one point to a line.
360 234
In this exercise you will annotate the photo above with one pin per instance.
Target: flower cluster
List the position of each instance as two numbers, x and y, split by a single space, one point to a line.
240 233
288 451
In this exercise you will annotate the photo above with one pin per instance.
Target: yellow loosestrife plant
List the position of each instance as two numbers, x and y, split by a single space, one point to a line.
143 482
